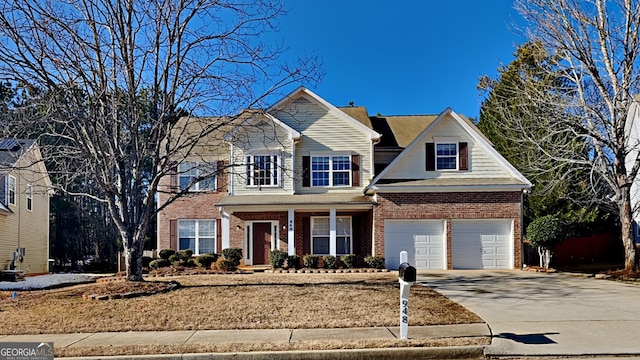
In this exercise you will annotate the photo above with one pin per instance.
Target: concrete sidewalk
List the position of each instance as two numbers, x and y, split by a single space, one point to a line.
538 314
276 335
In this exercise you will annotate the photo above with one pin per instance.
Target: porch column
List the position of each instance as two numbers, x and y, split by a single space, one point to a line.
226 231
332 232
291 234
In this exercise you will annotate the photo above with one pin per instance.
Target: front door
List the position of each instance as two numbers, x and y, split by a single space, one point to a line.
261 243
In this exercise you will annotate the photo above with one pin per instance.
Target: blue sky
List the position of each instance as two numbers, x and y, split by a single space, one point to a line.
403 57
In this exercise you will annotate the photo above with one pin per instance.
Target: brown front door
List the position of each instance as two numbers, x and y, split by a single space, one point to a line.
261 243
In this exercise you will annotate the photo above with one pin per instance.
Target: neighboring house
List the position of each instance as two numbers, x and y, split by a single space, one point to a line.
312 178
24 207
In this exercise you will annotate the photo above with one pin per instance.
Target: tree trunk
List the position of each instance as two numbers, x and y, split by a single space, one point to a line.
133 250
626 228
541 256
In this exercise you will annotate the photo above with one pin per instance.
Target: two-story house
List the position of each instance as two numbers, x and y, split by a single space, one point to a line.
310 178
24 207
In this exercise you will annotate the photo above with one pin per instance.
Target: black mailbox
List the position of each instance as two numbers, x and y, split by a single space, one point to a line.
407 272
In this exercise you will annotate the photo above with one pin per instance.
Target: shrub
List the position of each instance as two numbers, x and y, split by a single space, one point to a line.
310 261
233 254
277 258
293 262
224 265
175 259
329 261
349 260
186 254
158 263
206 260
190 263
166 253
375 262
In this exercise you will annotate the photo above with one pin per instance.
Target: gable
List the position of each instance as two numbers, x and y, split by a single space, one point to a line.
449 151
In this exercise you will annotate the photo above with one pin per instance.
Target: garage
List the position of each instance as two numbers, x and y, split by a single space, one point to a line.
482 244
423 241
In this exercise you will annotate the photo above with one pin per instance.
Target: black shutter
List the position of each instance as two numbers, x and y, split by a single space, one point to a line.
431 157
306 171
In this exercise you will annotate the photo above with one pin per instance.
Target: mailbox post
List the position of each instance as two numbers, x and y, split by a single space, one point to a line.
406 277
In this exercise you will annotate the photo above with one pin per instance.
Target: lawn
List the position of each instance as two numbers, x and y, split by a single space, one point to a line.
253 301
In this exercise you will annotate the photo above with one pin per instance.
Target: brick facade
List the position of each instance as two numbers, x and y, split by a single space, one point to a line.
448 206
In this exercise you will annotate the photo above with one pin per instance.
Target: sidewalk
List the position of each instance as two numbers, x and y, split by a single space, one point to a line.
276 335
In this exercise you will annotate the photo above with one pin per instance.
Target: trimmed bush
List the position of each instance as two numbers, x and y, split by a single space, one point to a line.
206 260
175 259
224 265
233 254
375 262
311 261
329 262
349 260
293 262
277 258
166 253
158 263
186 254
190 263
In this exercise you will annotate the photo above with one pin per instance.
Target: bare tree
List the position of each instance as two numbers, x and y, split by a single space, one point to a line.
110 78
595 47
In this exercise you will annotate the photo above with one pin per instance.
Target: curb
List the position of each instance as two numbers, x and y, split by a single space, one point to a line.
453 352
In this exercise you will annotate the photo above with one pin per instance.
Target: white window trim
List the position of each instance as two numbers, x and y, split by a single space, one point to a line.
334 240
277 166
197 237
456 156
29 198
14 190
331 155
195 187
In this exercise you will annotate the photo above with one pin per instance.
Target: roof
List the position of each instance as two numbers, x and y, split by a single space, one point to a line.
12 149
396 130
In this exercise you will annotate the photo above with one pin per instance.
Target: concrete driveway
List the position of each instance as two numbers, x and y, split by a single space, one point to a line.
546 314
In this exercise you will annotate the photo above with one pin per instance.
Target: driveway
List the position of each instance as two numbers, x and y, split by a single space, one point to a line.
546 314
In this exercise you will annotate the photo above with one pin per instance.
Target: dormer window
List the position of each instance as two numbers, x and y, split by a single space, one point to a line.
446 156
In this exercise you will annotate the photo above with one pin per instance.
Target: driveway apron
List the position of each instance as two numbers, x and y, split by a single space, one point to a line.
533 313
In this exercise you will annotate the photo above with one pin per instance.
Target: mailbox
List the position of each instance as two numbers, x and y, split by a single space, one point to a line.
407 272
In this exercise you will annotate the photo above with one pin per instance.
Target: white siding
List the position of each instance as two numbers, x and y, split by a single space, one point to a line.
481 163
323 131
262 139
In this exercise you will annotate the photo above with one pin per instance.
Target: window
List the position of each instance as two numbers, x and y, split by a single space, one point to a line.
11 190
189 172
197 235
29 193
320 235
447 156
262 170
331 170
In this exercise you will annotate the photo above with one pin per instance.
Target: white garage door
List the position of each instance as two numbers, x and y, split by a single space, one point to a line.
421 239
482 244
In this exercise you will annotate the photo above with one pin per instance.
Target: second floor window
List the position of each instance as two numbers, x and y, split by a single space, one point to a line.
262 170
190 172
331 170
447 156
29 197
11 190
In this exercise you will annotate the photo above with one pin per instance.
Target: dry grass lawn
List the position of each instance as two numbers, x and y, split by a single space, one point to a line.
207 302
